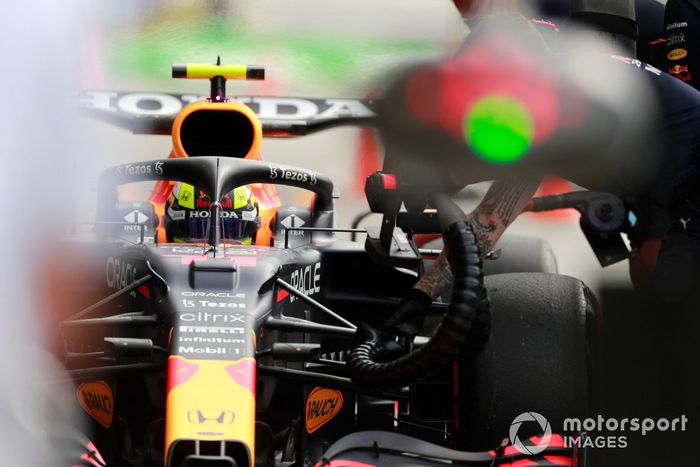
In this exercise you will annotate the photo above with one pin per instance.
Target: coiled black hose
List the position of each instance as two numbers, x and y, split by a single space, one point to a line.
467 321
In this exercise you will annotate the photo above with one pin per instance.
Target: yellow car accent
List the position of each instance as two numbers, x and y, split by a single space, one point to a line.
185 197
215 403
207 71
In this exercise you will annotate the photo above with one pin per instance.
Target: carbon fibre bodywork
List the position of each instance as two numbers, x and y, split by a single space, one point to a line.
184 352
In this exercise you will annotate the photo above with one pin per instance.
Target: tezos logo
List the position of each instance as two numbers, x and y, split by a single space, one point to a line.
141 169
305 176
531 448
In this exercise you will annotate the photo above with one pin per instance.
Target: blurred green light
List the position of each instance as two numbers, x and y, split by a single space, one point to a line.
498 129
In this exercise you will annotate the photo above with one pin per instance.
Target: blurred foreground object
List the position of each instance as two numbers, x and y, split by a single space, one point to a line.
502 105
38 143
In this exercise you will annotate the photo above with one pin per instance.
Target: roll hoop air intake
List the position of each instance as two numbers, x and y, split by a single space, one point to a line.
465 326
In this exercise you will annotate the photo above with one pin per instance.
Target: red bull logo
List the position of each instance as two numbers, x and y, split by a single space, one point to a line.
678 69
226 203
179 371
243 373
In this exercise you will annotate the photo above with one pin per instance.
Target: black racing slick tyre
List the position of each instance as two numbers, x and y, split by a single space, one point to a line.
540 358
522 254
518 253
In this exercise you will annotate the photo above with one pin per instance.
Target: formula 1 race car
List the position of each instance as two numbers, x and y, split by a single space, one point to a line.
210 352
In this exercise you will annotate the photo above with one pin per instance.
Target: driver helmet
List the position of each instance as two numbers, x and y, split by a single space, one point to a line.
187 215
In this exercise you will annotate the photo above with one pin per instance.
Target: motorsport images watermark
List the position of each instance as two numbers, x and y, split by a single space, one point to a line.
531 448
610 432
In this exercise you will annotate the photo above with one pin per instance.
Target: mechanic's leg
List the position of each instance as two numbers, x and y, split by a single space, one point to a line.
642 263
682 25
677 274
673 357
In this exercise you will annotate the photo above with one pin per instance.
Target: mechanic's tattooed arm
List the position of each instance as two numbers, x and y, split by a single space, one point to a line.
503 202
